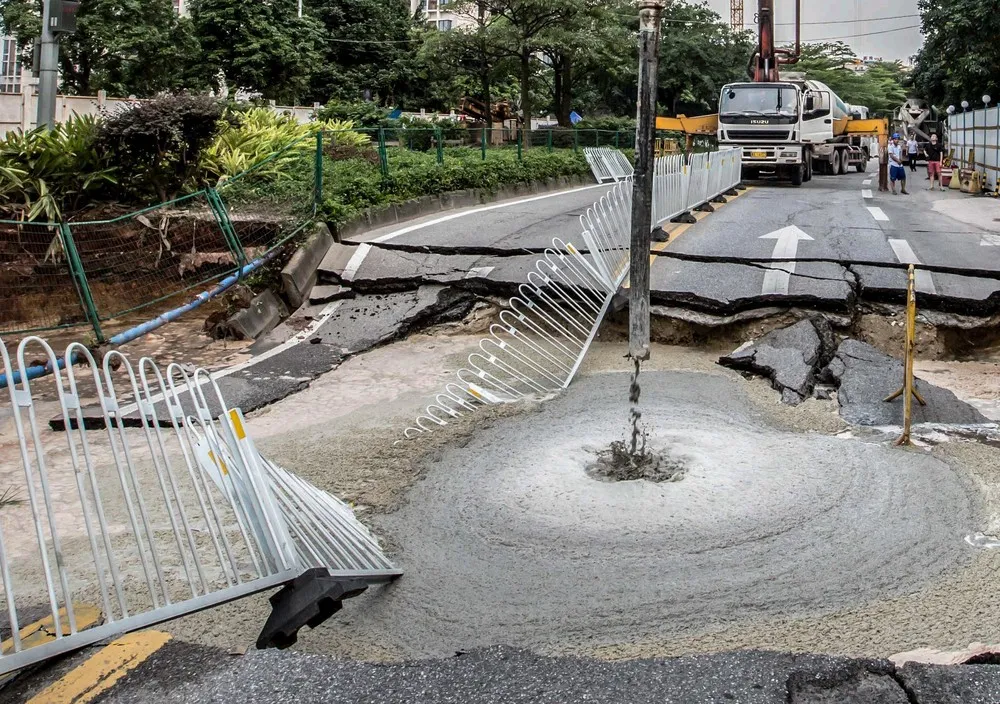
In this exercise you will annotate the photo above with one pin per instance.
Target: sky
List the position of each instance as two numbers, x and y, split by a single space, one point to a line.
845 19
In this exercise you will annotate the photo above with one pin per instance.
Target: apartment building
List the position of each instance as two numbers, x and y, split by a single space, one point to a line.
440 13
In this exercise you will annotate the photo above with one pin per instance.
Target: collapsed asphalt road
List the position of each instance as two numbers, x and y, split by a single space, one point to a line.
842 219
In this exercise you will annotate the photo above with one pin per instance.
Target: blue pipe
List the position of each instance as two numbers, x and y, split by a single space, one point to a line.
150 325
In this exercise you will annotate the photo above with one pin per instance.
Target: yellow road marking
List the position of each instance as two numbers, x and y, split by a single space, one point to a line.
101 671
44 630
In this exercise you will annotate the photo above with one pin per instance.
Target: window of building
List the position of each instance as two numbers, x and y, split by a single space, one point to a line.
444 25
10 72
432 5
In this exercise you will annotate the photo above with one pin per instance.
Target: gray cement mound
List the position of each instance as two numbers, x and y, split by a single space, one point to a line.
508 541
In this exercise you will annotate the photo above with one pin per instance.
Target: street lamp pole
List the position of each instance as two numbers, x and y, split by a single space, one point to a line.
642 185
48 69
965 114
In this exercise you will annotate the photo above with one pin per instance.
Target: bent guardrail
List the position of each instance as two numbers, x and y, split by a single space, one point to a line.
545 331
153 523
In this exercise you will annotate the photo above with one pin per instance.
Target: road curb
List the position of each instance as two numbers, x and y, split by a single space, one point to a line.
299 275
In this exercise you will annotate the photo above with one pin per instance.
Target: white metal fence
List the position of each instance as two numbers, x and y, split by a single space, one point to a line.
607 164
974 137
547 328
154 522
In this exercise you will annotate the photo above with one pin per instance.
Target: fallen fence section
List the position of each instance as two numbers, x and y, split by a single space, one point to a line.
547 328
159 522
607 164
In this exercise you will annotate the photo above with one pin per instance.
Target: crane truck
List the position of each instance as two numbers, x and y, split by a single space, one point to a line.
784 123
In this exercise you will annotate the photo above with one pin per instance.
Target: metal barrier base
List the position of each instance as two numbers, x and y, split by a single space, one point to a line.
308 600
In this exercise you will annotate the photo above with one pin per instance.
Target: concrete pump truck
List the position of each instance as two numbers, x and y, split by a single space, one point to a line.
785 124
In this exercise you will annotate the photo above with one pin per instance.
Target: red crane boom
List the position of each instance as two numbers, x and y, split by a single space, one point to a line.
768 57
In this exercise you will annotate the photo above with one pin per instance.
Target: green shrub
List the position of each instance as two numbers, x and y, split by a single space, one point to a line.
53 172
361 113
157 144
350 187
613 124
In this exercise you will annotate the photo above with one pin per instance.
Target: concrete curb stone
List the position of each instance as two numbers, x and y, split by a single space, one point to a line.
299 275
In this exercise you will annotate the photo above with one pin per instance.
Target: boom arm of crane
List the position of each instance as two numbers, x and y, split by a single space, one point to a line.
702 125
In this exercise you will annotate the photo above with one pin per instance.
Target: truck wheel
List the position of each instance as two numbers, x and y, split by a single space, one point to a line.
863 165
809 168
835 164
798 174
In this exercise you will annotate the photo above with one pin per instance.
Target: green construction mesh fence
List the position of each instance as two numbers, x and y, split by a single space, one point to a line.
142 258
37 288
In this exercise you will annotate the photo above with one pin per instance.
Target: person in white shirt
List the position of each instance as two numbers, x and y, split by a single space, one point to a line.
911 151
897 172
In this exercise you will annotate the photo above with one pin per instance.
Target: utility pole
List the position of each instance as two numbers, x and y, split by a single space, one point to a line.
48 69
642 185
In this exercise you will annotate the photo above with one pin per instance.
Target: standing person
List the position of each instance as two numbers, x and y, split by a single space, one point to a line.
912 148
897 172
933 153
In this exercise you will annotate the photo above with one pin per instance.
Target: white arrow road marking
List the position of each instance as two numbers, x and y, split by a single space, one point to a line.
990 241
776 278
878 214
866 193
906 255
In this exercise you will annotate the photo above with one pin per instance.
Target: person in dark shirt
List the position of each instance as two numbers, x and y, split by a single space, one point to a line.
933 153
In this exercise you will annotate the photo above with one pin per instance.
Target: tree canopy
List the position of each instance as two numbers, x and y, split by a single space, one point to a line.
259 46
125 47
960 57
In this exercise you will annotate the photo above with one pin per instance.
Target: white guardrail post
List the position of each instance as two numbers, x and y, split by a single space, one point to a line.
547 328
152 522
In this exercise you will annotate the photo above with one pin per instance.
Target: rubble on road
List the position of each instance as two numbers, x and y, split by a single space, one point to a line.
865 377
804 360
790 357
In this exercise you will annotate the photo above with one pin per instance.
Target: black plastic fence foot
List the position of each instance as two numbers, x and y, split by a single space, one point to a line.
741 186
720 199
705 208
685 217
308 600
733 191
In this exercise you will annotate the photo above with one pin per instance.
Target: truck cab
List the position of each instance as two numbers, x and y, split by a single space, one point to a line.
788 128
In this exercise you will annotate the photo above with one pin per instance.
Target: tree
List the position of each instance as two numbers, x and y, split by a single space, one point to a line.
583 43
528 21
369 50
960 55
470 60
699 53
260 46
125 47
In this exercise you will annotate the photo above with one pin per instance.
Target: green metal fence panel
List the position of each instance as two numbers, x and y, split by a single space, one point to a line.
142 258
38 289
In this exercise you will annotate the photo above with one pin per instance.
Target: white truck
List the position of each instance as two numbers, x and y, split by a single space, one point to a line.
791 128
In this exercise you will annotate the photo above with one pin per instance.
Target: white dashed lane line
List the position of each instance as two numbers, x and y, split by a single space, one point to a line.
905 254
866 182
878 214
867 193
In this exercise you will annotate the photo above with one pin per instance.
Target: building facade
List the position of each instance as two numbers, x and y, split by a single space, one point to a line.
441 14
